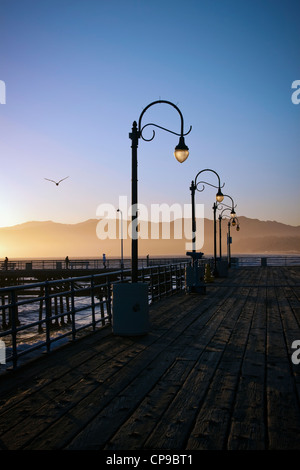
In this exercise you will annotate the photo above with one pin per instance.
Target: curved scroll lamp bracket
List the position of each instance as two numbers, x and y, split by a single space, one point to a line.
219 195
205 182
224 206
181 152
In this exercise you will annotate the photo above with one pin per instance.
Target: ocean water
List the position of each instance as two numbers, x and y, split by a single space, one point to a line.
31 334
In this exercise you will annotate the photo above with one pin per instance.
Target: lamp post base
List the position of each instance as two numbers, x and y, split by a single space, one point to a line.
194 280
130 309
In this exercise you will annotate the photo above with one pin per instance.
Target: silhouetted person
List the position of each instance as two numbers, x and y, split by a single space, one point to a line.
104 260
6 263
67 262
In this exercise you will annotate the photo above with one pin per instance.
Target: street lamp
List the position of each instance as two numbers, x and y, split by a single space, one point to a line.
220 230
219 198
122 261
130 300
181 153
234 222
232 215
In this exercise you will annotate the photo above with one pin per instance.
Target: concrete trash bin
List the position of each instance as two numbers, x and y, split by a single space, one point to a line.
194 279
130 309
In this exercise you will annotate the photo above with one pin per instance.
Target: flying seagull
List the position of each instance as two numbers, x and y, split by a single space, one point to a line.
57 183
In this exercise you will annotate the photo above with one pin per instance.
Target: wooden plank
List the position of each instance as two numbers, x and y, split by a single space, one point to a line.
215 372
171 333
33 377
51 368
37 410
248 426
133 433
148 412
91 436
78 412
173 430
211 426
153 344
282 405
58 382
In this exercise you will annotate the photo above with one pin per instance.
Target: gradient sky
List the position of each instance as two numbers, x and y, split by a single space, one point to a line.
79 72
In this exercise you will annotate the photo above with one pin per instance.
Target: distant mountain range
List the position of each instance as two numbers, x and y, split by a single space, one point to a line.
56 240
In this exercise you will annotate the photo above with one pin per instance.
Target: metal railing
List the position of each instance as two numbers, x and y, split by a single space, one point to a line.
116 263
36 315
98 263
242 261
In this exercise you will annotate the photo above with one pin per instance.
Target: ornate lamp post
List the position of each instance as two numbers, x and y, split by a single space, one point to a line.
122 258
181 153
220 230
219 198
130 300
232 215
234 222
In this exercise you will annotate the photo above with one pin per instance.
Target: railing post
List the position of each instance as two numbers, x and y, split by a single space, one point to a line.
182 272
159 283
40 328
93 302
61 305
73 311
109 295
14 317
176 277
4 323
101 300
48 316
151 284
56 322
143 276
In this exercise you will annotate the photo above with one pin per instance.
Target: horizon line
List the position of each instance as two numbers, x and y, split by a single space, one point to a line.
129 220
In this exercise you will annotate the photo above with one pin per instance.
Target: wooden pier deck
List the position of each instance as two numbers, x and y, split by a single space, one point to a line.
215 372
